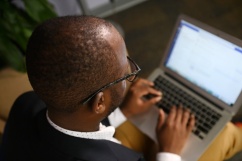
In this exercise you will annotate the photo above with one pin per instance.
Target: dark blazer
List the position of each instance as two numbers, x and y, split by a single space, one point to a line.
28 137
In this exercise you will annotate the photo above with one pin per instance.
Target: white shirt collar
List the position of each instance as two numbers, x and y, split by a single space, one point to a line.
104 133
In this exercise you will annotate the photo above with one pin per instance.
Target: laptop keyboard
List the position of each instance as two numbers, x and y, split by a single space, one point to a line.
206 118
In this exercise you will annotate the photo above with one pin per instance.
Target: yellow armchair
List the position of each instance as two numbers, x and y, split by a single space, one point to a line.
12 85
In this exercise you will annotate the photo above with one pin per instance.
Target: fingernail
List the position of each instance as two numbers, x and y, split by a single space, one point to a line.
158 98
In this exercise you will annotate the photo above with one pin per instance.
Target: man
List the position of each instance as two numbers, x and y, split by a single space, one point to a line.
78 67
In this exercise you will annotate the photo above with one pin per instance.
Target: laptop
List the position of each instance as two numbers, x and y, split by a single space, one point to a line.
202 70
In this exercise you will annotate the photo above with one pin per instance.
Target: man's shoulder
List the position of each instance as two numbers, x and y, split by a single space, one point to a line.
27 105
80 148
85 149
31 137
20 133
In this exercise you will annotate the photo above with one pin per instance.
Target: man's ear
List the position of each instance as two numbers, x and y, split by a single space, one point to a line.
98 103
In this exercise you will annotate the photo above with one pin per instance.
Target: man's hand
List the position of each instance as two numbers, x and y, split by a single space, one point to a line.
134 103
172 132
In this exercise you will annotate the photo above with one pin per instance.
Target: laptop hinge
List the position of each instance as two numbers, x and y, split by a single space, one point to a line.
216 105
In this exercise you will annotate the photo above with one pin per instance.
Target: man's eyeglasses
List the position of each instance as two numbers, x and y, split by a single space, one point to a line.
135 69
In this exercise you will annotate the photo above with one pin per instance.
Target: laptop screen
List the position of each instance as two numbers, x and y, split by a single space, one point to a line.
208 61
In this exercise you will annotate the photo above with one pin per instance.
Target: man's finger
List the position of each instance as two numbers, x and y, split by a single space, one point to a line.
172 114
161 119
144 82
191 123
179 114
154 91
152 101
144 90
185 117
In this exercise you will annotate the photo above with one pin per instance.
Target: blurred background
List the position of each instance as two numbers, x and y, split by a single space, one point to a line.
146 25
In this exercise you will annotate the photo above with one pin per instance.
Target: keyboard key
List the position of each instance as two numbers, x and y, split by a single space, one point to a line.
203 129
207 125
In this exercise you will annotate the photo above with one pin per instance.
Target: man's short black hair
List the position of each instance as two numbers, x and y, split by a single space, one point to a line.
67 60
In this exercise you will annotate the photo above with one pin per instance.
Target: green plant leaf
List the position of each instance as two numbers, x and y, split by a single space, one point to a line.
39 10
16 28
14 57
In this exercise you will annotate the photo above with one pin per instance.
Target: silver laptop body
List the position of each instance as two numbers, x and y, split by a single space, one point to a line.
206 64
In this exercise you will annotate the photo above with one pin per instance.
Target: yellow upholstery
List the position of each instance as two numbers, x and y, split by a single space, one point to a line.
12 84
225 145
220 149
131 137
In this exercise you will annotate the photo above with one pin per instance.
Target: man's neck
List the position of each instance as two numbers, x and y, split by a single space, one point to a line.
75 121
